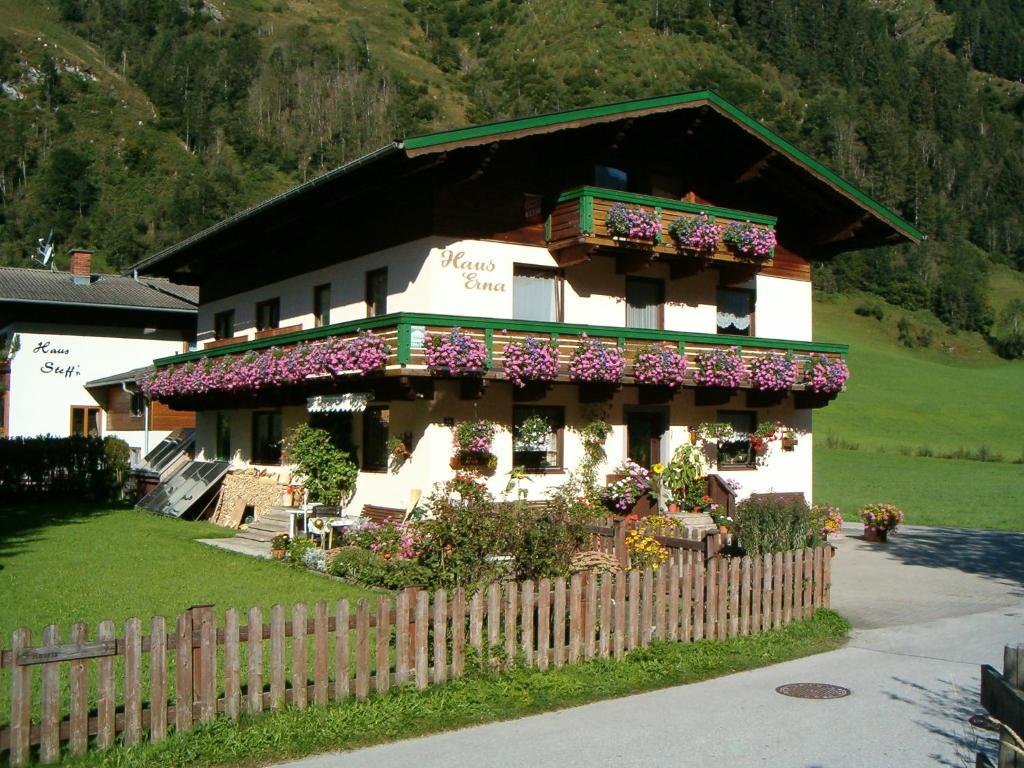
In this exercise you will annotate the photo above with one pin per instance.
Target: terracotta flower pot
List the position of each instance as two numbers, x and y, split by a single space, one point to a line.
878 535
277 554
788 443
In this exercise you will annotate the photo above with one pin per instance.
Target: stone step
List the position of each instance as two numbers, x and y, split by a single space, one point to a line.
250 535
275 517
268 528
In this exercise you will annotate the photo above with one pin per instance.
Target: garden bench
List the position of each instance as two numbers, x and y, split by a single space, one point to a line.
377 514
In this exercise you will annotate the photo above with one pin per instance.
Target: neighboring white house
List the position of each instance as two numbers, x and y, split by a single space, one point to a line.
67 329
502 230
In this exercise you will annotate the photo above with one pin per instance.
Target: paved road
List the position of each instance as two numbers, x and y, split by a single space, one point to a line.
912 666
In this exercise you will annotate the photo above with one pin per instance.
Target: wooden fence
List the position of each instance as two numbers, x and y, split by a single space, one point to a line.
197 669
1003 696
685 545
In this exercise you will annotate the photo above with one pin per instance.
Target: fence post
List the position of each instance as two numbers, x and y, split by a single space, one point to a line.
1013 673
204 657
621 553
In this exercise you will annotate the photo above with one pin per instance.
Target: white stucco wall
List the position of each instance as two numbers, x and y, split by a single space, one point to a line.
474 278
781 471
50 370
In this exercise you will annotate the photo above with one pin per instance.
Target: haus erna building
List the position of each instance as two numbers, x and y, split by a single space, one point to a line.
502 231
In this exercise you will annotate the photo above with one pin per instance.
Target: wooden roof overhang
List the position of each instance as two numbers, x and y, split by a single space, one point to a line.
392 195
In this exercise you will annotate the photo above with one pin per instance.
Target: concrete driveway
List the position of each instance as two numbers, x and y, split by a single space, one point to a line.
928 609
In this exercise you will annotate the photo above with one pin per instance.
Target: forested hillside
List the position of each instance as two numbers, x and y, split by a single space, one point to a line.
126 124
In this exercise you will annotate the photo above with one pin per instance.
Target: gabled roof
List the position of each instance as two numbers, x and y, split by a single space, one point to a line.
576 118
395 160
19 285
127 377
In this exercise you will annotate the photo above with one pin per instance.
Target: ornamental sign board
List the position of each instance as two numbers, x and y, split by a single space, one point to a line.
349 402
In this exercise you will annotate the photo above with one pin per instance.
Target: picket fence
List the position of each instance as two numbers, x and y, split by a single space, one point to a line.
200 670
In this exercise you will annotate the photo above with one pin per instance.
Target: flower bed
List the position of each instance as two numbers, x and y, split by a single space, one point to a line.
696 233
720 367
773 372
659 366
455 354
530 360
750 240
633 223
594 361
274 367
825 374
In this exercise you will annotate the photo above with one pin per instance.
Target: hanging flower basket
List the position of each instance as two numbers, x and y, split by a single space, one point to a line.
696 233
594 361
472 443
660 366
824 374
455 354
635 223
720 367
749 240
530 360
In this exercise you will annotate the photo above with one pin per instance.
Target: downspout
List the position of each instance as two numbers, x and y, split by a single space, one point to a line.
145 420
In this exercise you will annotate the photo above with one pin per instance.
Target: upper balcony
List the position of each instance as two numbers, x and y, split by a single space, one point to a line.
394 358
578 227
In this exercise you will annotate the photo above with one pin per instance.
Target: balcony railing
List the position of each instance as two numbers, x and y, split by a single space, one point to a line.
404 334
578 222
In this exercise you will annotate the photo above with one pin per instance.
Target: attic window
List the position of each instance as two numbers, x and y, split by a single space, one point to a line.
608 177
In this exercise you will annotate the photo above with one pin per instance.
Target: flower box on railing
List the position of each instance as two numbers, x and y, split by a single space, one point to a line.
595 218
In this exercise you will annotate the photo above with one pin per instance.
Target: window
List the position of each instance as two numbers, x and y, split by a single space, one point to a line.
537 437
268 314
735 311
224 324
322 305
137 404
266 437
645 300
644 430
376 292
223 437
737 453
536 294
339 426
611 178
376 423
85 421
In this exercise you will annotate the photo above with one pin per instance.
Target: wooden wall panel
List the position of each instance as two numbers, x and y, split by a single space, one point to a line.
788 264
162 417
118 407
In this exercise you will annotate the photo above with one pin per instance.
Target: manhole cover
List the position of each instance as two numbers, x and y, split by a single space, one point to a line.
984 722
813 690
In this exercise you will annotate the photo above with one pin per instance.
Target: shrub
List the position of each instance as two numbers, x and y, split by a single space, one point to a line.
80 468
592 561
297 550
280 541
327 472
870 310
769 524
373 570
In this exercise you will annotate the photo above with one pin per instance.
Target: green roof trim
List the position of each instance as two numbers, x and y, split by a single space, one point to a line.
666 204
404 320
625 107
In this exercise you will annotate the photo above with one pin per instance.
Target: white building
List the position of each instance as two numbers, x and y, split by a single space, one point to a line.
63 330
502 230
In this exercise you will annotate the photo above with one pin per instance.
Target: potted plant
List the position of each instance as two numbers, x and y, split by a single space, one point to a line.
748 239
625 223
773 372
398 453
716 431
831 521
530 360
824 374
685 472
455 354
597 367
659 366
719 372
765 433
789 439
879 519
696 233
623 494
278 546
473 441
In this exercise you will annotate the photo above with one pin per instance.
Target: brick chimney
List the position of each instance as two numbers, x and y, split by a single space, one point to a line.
81 262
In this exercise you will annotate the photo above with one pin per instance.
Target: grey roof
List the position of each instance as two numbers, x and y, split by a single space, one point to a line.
128 377
41 286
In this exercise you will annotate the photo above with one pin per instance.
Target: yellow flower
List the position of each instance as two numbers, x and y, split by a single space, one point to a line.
657 469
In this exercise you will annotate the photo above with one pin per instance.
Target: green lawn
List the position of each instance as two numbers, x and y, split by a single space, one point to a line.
946 492
955 395
81 564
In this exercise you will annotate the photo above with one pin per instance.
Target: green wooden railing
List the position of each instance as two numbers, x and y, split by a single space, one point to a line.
405 322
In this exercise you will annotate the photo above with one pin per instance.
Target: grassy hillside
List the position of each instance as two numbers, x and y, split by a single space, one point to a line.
880 440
